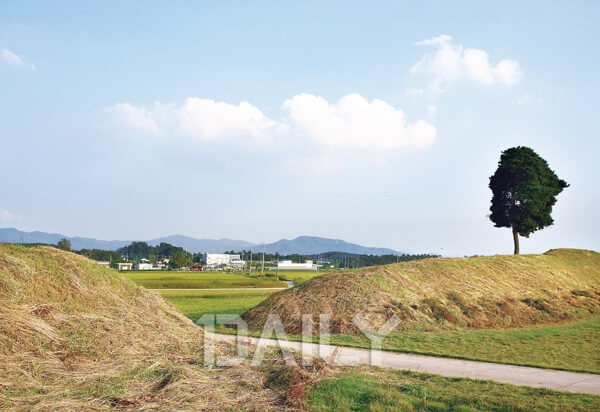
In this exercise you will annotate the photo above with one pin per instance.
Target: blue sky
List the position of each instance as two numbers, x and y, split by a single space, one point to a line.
376 122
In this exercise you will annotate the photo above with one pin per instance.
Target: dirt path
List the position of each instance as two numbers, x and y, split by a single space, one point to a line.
515 375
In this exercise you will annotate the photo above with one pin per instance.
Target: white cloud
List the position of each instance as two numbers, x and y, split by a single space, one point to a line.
198 118
209 119
451 62
7 215
354 122
351 122
15 61
441 39
133 118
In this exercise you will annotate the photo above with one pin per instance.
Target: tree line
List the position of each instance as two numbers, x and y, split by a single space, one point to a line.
335 259
135 251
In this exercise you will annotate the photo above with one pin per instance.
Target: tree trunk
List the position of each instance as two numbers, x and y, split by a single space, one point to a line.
516 239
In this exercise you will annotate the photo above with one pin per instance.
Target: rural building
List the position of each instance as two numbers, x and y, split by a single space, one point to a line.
103 263
124 266
215 260
289 265
144 264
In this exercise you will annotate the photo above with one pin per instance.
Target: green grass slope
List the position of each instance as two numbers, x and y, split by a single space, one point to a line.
448 293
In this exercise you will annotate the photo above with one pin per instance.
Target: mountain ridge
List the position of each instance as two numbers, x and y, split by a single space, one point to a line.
302 245
312 245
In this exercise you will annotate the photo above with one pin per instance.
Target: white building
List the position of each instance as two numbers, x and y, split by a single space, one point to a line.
289 265
144 265
124 266
214 260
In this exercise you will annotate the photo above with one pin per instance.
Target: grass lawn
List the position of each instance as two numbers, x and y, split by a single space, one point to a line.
195 303
407 391
199 280
297 276
571 346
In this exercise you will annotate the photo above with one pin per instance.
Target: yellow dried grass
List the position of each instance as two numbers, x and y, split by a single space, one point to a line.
77 336
448 293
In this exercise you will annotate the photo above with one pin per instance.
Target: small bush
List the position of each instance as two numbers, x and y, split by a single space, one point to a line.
438 310
539 304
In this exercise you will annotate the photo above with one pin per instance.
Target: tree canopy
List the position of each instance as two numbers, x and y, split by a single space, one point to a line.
64 244
180 259
524 189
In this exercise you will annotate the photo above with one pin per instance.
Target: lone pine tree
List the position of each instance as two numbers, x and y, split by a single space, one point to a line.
524 189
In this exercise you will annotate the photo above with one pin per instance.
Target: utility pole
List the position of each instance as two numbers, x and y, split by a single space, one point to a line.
262 269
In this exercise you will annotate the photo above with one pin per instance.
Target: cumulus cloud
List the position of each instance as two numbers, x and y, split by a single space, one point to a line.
450 62
354 122
7 215
351 122
204 119
15 61
213 120
133 118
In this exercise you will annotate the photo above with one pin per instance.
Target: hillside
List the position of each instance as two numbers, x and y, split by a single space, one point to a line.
75 335
202 245
448 293
12 235
310 245
302 245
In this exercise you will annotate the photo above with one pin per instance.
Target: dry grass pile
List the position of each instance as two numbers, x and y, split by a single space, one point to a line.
448 293
75 335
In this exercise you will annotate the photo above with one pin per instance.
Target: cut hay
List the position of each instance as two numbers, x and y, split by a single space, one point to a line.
77 336
447 293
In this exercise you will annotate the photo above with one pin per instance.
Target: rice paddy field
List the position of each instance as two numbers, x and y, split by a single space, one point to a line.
195 303
297 276
181 289
199 280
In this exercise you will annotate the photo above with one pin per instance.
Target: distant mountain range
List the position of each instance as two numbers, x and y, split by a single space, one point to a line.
303 245
312 245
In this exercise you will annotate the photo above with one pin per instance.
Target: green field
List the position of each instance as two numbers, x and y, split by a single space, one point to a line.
199 280
297 276
407 391
195 303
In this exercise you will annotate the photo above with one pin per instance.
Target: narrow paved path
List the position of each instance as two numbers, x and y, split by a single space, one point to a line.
515 375
248 288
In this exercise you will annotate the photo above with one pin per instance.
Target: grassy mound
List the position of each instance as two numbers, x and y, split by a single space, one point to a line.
75 335
447 293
